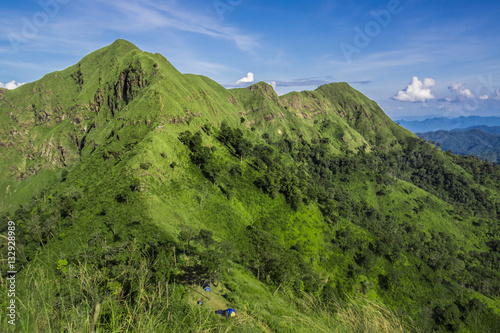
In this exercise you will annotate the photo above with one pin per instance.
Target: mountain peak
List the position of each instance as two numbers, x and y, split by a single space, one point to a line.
121 45
123 42
118 49
264 86
336 88
262 89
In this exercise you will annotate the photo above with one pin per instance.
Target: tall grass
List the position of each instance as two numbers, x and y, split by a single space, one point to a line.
356 314
79 298
363 315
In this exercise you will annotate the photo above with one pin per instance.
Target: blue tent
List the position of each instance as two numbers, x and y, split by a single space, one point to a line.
206 287
230 312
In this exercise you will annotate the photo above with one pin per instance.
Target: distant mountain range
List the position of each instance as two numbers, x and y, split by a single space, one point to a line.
448 124
487 129
481 141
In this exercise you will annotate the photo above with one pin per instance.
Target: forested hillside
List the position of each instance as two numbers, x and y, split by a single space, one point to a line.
131 185
482 142
487 129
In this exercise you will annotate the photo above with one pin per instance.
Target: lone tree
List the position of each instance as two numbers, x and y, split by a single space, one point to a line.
206 238
243 147
187 234
213 262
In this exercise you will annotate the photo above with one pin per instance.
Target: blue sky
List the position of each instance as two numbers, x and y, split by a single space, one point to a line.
413 57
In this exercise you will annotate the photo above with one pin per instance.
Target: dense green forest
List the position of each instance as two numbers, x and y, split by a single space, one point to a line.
482 142
131 185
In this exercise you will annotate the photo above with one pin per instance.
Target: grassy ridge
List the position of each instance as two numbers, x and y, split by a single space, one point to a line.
312 210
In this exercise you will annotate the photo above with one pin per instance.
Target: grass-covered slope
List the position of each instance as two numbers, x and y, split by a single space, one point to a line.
131 184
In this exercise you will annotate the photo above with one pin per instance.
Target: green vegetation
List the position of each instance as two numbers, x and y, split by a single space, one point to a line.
475 142
131 185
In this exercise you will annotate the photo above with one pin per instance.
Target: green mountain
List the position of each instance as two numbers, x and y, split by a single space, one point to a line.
130 185
475 141
486 129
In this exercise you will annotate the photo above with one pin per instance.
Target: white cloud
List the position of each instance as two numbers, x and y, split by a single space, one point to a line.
11 85
460 100
460 91
247 79
417 91
273 83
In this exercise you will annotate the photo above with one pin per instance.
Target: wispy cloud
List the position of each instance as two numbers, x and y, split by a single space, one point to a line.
361 82
98 20
147 15
377 62
301 83
460 92
308 82
313 81
210 67
494 97
291 84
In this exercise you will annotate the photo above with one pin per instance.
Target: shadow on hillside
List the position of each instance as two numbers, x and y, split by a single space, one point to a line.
194 275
